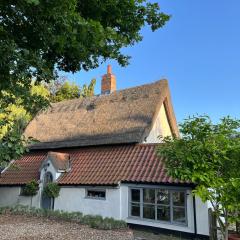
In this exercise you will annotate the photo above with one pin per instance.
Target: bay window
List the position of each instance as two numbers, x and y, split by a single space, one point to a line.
158 204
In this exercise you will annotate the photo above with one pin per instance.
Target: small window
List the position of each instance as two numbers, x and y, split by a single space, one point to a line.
96 194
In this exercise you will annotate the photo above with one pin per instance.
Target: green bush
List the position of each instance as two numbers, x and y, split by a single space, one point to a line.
30 189
51 190
96 221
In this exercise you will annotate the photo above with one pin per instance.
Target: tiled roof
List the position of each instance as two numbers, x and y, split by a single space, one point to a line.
23 170
102 165
124 116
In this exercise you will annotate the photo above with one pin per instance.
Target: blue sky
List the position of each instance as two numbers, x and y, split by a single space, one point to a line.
198 51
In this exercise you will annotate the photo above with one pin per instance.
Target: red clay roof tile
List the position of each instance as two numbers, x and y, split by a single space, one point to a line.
101 165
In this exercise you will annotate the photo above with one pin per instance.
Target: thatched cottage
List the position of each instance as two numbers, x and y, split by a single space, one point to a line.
102 152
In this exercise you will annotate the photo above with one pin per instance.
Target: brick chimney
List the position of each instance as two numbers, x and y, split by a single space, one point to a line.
108 82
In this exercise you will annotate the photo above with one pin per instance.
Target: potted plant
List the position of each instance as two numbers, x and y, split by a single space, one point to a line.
51 190
30 189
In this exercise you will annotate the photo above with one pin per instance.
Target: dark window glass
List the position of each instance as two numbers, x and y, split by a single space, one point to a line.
47 178
135 210
149 211
179 215
96 194
179 199
163 213
163 197
135 195
159 204
149 195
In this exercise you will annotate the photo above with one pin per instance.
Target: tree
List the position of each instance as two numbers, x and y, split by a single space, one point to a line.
67 91
30 189
71 90
37 36
208 155
51 190
16 112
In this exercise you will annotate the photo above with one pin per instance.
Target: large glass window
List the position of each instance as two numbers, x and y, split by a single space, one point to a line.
158 204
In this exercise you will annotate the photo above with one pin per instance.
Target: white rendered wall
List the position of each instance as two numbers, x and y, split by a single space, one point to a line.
10 196
202 217
160 127
115 205
74 199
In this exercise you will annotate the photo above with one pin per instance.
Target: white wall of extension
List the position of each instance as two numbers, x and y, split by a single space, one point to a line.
10 196
74 199
115 205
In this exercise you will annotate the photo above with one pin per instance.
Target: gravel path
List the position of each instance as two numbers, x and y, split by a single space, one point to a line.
16 227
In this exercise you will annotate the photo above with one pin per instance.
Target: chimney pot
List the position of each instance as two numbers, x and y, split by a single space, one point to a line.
109 69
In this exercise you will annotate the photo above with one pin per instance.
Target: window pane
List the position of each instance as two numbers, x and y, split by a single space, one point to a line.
179 199
135 195
163 196
179 215
135 210
149 211
149 195
163 213
96 194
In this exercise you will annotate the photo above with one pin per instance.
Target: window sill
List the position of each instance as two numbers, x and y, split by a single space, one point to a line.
158 221
95 198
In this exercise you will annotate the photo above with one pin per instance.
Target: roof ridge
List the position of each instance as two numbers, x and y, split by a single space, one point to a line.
164 80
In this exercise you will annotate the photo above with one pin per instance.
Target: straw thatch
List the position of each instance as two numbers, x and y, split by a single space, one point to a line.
124 116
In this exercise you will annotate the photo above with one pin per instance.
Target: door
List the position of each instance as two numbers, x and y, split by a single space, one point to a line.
47 202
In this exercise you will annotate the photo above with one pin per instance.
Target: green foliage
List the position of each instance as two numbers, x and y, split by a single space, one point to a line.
30 189
88 91
39 36
208 155
93 221
51 190
15 113
66 92
71 91
62 89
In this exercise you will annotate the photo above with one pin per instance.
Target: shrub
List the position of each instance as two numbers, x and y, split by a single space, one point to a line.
30 189
51 190
96 221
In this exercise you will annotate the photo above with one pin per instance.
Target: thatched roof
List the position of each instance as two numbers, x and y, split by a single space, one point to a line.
124 116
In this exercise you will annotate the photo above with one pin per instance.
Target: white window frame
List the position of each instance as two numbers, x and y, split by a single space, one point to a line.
96 190
171 205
